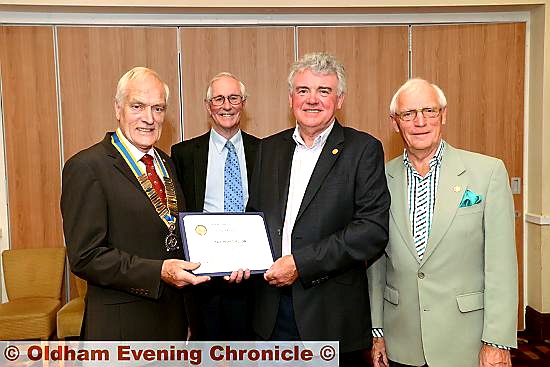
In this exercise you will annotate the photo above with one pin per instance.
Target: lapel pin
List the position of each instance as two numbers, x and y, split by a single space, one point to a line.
334 151
457 188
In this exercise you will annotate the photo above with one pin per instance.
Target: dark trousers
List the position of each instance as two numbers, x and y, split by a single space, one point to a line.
220 312
357 358
285 325
287 330
226 317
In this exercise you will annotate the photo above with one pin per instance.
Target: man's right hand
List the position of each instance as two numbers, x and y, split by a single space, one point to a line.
238 276
175 272
378 353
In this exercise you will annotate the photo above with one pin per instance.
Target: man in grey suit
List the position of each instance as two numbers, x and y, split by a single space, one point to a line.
218 310
323 191
444 294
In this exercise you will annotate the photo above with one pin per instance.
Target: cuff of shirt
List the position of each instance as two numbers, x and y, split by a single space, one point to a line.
496 345
377 332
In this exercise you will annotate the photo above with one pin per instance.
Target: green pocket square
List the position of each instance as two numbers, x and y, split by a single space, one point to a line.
469 198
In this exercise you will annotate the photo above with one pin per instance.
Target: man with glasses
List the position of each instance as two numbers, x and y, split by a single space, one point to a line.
205 166
444 294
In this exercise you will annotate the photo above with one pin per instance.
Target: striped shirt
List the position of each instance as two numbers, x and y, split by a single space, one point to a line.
421 197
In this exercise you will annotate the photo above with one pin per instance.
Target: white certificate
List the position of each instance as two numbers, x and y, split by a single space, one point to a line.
225 242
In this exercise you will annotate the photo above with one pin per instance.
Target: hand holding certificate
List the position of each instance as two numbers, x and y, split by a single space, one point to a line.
225 242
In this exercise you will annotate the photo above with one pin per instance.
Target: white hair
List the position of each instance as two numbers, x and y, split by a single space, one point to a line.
412 84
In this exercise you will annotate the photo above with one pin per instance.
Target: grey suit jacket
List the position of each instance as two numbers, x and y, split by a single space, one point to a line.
464 290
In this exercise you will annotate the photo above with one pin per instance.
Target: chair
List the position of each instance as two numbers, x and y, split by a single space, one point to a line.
33 279
69 317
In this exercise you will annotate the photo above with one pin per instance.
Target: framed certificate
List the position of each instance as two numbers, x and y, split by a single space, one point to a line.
225 242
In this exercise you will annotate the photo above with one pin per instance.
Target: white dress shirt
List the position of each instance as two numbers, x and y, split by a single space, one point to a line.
217 154
303 163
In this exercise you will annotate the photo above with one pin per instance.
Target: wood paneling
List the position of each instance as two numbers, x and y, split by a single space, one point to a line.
31 136
375 60
480 67
260 57
484 86
92 60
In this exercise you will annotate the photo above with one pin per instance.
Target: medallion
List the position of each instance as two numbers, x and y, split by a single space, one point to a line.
171 241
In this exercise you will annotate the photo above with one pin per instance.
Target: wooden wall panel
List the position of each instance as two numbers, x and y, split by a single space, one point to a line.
92 60
375 59
31 136
260 57
484 86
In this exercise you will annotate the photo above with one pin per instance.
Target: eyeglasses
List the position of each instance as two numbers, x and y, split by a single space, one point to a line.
427 112
233 99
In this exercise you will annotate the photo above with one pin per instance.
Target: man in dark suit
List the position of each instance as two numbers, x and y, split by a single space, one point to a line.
218 310
323 191
119 222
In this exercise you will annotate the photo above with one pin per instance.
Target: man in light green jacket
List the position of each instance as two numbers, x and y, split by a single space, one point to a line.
444 293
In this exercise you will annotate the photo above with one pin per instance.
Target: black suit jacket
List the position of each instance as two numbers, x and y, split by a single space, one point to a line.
342 223
191 160
115 241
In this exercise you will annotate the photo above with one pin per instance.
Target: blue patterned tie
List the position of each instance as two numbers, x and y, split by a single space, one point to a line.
232 186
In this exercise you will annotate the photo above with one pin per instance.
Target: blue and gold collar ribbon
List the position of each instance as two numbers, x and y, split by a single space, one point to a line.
166 212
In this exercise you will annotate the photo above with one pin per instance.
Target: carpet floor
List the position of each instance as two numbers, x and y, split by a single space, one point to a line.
531 353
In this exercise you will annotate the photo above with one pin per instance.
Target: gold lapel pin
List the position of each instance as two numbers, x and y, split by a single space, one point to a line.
334 151
457 188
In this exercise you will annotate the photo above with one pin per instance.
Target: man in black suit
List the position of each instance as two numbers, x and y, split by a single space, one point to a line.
218 310
119 201
323 191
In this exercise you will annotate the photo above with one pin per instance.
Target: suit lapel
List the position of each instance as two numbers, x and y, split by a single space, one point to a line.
200 161
250 149
453 182
119 163
399 211
330 153
285 153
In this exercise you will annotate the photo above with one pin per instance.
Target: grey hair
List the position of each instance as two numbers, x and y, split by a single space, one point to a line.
413 83
224 74
136 73
319 63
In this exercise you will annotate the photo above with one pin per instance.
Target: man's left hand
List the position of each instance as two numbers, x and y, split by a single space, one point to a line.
494 357
283 272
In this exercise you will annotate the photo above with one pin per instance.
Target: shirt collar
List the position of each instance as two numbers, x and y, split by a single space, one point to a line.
434 162
136 153
319 140
219 141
